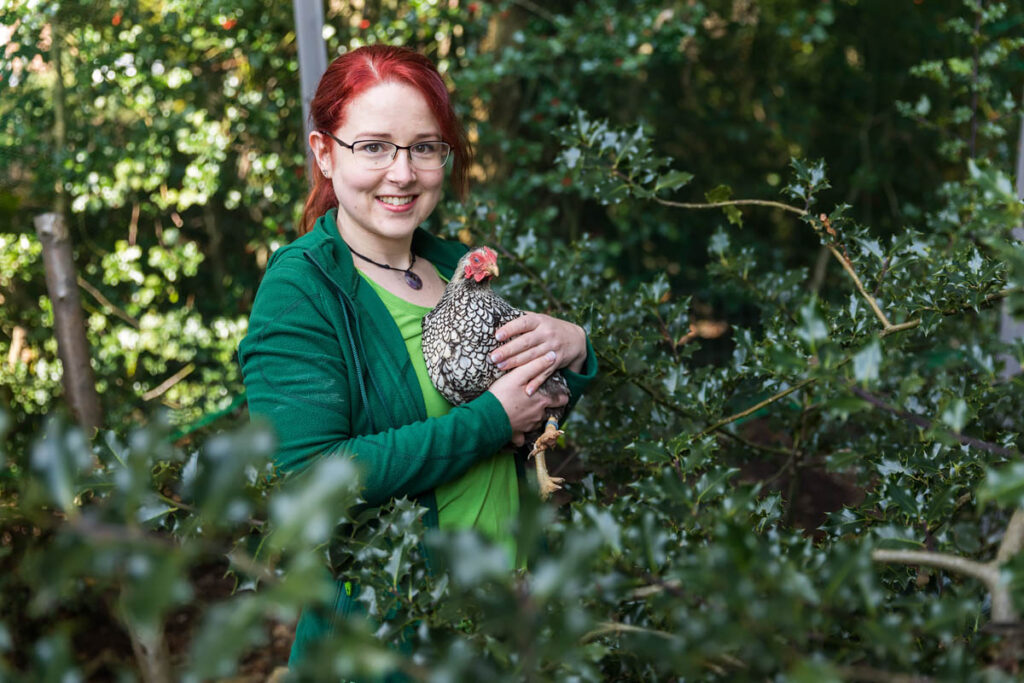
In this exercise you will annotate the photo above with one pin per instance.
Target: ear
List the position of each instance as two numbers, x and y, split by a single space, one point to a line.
321 149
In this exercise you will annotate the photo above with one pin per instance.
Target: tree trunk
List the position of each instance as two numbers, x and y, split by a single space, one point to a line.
68 321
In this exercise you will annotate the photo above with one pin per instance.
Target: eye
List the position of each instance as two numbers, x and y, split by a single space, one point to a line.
372 147
476 259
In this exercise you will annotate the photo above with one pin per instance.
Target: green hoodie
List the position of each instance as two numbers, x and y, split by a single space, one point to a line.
325 363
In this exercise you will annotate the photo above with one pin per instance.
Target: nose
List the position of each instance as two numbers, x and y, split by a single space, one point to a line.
401 171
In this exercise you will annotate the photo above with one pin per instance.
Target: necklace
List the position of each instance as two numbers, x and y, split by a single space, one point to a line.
411 278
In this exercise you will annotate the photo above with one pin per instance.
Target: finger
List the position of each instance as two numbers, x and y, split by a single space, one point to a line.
541 377
518 439
526 374
523 323
519 351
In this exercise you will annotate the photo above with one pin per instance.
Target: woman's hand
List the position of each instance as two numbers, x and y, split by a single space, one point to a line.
525 408
533 335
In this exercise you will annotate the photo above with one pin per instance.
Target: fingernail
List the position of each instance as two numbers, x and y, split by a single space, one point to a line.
529 392
492 357
500 336
502 364
550 355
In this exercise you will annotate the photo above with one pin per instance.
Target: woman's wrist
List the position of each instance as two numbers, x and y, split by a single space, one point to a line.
580 359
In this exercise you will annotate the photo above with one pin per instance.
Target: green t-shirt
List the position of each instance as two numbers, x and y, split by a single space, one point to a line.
486 497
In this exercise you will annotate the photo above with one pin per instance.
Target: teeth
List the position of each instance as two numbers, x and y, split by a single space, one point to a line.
396 201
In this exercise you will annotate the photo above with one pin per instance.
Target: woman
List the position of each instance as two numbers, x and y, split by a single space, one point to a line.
333 358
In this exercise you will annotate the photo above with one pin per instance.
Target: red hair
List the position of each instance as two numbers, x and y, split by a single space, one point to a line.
353 73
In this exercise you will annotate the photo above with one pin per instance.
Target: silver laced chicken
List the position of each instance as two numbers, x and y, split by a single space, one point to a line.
458 337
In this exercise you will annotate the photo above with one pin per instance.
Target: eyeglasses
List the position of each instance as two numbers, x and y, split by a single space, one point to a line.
378 154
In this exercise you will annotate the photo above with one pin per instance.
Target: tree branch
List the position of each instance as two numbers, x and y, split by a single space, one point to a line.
104 301
732 202
608 627
169 382
1013 539
983 572
927 424
988 573
753 409
845 263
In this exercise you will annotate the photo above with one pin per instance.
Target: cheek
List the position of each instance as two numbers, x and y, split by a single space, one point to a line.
354 187
432 182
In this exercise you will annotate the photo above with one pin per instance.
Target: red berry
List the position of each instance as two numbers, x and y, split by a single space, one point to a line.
364 24
116 21
228 24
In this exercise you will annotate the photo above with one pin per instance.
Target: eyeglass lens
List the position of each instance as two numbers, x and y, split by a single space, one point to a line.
423 155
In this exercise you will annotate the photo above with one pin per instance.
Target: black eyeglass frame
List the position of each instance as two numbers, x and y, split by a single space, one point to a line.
397 147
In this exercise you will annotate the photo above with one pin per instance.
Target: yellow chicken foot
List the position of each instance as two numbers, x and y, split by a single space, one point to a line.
545 482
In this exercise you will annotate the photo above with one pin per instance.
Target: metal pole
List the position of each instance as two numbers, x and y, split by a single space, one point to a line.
1009 328
309 25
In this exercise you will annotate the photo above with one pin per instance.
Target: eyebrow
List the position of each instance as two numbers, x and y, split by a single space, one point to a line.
388 136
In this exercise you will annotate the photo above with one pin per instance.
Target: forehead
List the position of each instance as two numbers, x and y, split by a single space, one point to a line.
390 110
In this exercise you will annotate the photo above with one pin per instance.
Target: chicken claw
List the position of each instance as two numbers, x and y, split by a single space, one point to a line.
545 482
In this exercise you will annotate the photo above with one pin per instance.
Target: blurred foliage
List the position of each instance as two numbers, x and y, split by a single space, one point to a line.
786 225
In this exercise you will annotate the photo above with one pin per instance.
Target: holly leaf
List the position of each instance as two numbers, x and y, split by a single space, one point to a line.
723 193
672 180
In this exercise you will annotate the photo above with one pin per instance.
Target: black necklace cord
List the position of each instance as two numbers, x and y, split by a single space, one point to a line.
411 278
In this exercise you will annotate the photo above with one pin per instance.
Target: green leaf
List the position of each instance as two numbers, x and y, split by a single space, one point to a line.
812 327
305 511
866 363
60 459
955 414
723 193
1003 486
672 180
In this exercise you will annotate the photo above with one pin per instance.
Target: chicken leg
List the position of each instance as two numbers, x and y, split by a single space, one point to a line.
545 482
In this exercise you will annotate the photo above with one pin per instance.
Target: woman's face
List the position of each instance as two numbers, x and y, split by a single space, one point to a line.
386 203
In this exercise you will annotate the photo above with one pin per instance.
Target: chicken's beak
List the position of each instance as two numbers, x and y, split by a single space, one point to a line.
493 269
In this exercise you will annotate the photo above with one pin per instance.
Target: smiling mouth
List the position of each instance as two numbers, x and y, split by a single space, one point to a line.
397 201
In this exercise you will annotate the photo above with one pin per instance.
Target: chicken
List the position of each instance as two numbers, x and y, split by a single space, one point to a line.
458 337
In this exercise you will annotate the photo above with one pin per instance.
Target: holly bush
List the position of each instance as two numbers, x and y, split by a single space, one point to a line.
788 228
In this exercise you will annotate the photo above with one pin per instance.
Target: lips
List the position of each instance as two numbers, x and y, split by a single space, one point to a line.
397 202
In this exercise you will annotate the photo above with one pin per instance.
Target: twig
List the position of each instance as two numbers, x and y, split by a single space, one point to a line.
732 202
658 586
900 327
1013 539
756 446
608 361
104 301
251 566
532 275
910 324
608 627
845 263
536 9
872 675
150 652
987 573
981 571
169 382
753 409
927 424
